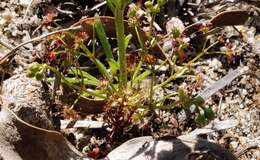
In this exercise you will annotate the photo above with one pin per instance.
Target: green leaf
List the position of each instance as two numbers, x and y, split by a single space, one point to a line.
184 99
201 120
86 51
111 5
137 70
85 81
209 113
198 101
161 2
142 76
30 73
128 1
103 38
36 70
35 67
119 4
137 117
66 63
39 75
127 40
85 74
94 93
168 106
114 66
102 69
148 4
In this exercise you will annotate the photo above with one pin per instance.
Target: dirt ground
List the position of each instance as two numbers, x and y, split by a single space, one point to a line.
240 100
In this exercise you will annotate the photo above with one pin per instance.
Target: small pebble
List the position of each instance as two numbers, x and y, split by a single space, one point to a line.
234 144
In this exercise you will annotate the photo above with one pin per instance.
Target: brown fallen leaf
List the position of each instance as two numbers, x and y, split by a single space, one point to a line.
22 141
227 18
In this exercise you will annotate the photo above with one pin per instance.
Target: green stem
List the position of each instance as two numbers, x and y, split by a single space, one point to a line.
184 68
139 37
141 42
151 87
151 24
119 23
137 70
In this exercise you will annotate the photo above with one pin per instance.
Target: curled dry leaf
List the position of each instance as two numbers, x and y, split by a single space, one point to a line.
22 141
227 18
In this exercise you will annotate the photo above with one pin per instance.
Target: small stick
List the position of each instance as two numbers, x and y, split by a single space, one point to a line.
98 6
244 150
6 44
27 9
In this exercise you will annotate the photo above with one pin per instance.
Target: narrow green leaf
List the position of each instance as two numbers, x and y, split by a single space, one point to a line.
103 38
50 80
85 81
137 70
86 51
201 120
209 113
111 5
139 37
85 74
63 80
114 66
102 69
168 106
127 40
198 101
94 93
142 76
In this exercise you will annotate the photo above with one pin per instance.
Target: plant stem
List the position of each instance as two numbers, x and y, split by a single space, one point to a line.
151 87
185 67
141 42
151 25
139 37
119 23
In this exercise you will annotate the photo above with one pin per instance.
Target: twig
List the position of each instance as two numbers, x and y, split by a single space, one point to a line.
12 53
27 9
98 6
244 150
2 70
6 44
167 58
